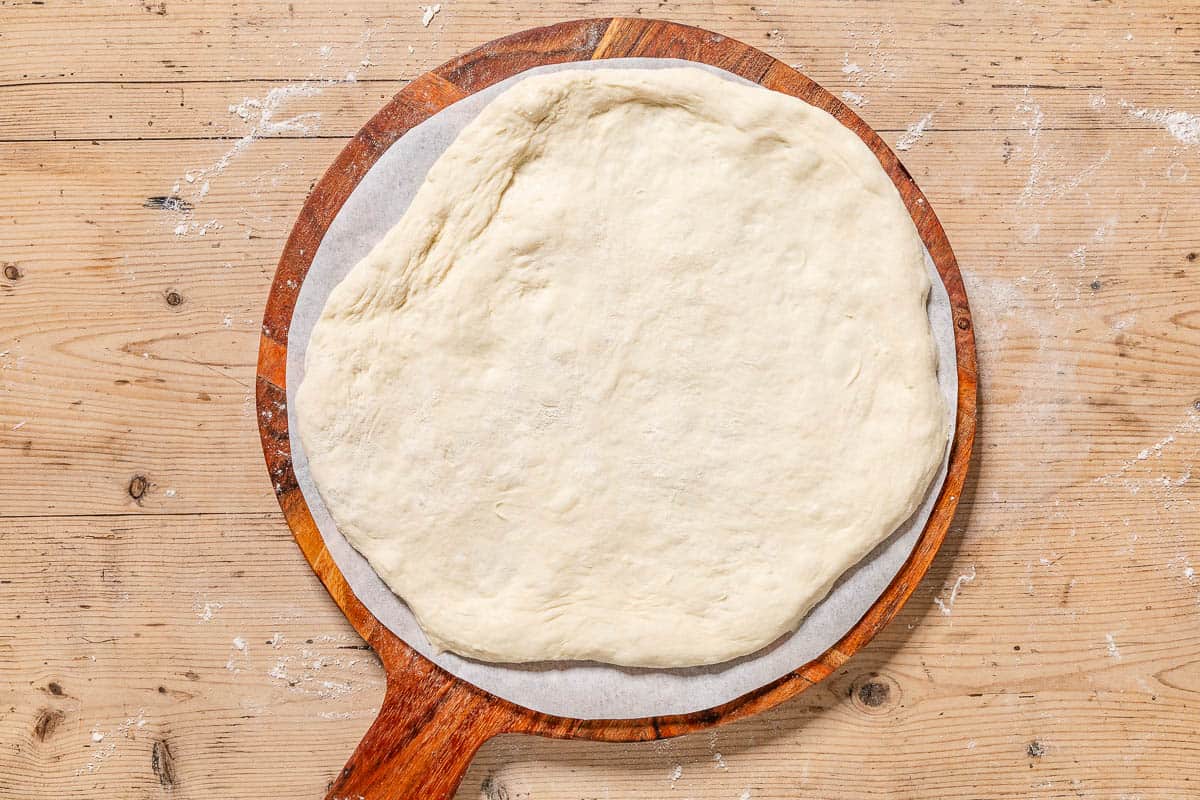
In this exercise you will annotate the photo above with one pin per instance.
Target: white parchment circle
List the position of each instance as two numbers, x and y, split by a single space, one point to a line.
584 690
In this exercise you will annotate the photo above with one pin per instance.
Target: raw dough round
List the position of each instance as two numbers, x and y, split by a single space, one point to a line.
642 370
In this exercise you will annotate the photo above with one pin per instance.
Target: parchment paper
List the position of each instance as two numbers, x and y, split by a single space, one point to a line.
574 689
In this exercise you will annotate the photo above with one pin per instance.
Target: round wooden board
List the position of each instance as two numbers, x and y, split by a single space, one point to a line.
431 723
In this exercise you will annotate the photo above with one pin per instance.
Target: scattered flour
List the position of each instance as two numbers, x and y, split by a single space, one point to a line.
854 99
1188 571
302 673
1183 126
1156 449
365 712
8 361
1113 650
719 761
914 132
279 671
1164 483
878 64
107 741
745 795
20 425
240 657
676 774
1038 189
207 611
187 226
263 115
428 13
962 580
1106 228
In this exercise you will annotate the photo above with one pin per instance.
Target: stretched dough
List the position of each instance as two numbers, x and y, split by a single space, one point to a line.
642 370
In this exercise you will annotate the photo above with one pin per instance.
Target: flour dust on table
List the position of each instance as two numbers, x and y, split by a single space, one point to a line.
642 370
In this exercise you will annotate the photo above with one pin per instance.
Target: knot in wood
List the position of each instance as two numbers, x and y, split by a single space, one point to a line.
874 693
138 486
163 764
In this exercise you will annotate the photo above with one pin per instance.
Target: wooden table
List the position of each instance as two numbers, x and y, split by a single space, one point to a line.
163 637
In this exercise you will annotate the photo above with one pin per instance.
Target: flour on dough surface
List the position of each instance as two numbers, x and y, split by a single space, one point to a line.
642 370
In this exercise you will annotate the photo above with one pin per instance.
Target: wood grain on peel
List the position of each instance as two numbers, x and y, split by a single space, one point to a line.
1073 219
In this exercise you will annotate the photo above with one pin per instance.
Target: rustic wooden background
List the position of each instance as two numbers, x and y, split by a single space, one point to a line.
162 635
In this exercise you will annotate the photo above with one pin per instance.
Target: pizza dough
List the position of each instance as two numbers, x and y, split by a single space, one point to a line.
642 370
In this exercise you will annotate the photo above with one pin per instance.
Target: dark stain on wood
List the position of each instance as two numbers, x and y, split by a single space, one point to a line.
1190 257
55 688
47 722
13 273
1064 597
174 298
163 764
1035 749
874 693
167 202
138 486
493 789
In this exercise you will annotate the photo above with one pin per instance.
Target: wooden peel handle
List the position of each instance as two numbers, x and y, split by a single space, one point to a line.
420 745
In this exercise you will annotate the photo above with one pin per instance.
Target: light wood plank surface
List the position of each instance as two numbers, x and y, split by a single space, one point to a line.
175 644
